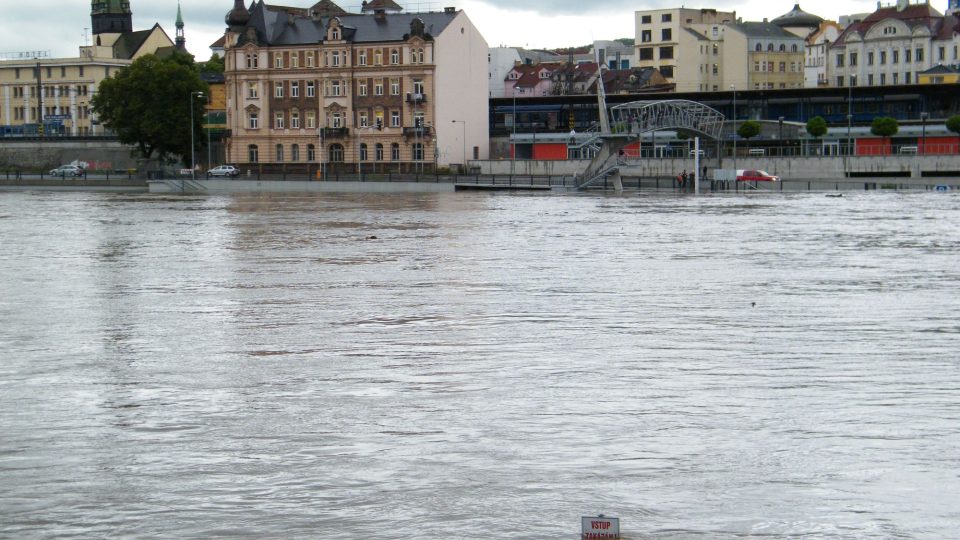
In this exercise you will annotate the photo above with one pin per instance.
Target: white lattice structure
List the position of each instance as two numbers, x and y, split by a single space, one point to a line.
645 116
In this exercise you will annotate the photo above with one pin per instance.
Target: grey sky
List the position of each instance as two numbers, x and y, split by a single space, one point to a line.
58 25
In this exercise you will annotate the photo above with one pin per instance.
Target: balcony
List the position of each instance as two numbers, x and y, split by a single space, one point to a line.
335 133
416 98
421 132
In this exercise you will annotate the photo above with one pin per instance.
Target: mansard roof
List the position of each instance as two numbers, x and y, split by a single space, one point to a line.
763 30
913 15
280 26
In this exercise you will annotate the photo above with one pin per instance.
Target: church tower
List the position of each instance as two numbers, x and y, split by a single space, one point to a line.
111 16
181 41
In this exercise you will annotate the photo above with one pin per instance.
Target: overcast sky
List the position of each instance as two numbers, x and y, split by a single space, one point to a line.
58 25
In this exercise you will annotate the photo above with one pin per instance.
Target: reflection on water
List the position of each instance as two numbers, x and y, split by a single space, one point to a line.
457 365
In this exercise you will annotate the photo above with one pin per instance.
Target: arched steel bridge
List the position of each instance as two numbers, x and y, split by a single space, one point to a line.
647 116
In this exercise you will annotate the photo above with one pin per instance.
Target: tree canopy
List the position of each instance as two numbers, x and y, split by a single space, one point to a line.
884 126
148 104
213 65
953 124
749 129
817 127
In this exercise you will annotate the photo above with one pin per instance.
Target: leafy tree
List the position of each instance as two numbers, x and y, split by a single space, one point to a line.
817 127
749 129
884 126
148 105
953 124
213 65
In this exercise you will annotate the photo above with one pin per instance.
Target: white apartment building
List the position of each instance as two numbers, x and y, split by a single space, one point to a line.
659 32
500 60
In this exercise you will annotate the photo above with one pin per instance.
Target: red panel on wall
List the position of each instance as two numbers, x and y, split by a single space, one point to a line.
550 151
939 145
873 146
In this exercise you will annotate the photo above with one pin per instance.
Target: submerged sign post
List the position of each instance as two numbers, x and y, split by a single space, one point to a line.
599 528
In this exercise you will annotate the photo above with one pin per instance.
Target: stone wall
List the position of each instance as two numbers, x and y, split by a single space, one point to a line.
99 155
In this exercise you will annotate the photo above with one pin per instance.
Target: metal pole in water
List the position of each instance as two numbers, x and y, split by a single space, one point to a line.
696 165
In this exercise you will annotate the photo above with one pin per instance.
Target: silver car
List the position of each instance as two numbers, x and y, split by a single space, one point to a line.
224 170
67 170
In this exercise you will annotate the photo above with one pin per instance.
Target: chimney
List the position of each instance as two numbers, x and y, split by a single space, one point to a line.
449 10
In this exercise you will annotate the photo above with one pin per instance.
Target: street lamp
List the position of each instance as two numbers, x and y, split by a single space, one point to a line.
781 135
193 157
923 132
734 88
464 122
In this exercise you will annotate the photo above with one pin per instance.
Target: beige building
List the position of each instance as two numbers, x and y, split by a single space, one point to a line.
392 91
762 56
52 96
662 42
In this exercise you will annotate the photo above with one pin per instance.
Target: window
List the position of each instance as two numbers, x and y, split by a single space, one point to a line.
253 121
883 78
362 57
394 87
919 55
418 152
906 77
295 152
895 59
418 119
253 154
378 119
279 149
336 120
294 119
756 66
840 60
335 58
716 69
883 58
870 79
378 87
336 153
666 34
362 88
896 78
758 47
666 17
311 119
783 48
395 152
793 48
294 89
278 121
716 49
311 89
645 19
252 61
941 53
334 88
394 118
769 47
295 60
853 59
81 68
783 67
666 53
311 152
364 119
363 151
906 55
394 56
278 90
335 34
310 59
646 53
667 71
418 87
377 57
278 60
869 58
646 36
378 152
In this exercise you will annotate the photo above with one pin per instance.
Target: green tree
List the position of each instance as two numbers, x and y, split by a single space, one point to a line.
953 124
749 129
884 126
148 105
213 65
817 127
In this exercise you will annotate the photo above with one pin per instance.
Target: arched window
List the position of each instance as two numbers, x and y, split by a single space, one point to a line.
253 154
395 152
783 48
418 152
279 152
379 155
363 152
336 153
770 47
758 48
793 48
311 152
295 152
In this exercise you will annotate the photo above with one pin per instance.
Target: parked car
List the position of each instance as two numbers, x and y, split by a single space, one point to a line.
224 170
756 175
67 170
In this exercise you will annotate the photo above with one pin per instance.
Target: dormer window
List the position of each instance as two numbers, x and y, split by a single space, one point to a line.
335 34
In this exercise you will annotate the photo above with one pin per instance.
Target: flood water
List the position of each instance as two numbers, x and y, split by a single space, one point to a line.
478 365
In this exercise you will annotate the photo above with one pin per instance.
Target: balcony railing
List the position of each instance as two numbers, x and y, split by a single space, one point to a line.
417 132
416 98
334 133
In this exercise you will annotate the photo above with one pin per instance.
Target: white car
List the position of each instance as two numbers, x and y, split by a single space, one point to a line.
67 170
224 170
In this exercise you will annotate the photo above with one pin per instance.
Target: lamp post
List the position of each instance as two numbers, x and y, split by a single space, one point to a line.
193 149
923 132
734 88
464 122
853 81
780 120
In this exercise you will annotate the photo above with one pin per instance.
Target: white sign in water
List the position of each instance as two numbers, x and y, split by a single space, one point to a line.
599 528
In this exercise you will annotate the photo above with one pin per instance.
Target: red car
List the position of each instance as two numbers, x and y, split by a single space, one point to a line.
756 175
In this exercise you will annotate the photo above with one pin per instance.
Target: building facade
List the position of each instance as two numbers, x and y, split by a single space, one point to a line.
894 44
657 42
47 96
377 91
